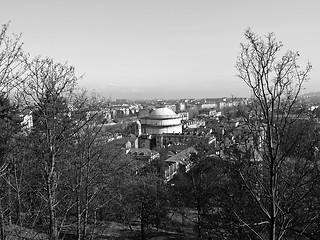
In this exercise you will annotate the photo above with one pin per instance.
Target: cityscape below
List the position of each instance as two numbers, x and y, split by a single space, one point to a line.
159 120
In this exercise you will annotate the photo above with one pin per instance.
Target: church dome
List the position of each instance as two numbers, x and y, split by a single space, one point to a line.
163 113
161 120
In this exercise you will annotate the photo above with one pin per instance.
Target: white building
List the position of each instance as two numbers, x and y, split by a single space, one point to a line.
161 120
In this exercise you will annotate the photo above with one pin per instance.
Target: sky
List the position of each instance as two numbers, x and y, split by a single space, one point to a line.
148 49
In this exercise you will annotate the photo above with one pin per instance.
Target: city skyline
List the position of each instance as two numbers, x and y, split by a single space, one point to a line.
162 49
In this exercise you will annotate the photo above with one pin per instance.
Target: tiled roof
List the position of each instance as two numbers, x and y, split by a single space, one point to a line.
182 156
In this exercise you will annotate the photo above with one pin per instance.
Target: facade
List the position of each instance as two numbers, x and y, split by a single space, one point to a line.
181 107
184 115
137 130
208 105
127 142
175 162
209 112
193 123
143 154
164 140
161 120
146 141
157 141
27 122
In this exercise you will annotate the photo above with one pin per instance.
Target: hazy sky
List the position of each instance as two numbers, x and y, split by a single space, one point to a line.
162 48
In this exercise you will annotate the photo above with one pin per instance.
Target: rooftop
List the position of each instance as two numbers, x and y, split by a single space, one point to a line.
163 113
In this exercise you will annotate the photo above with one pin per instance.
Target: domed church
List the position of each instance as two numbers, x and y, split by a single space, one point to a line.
161 120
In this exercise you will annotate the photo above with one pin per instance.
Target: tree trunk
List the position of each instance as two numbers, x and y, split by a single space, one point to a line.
272 220
85 222
143 232
53 229
86 204
78 197
10 200
2 232
182 217
78 217
199 225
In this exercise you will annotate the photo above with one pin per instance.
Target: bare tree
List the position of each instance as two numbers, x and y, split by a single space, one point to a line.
87 151
11 64
11 68
47 88
279 180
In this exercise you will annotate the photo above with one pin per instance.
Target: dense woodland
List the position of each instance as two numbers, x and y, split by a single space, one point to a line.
59 179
